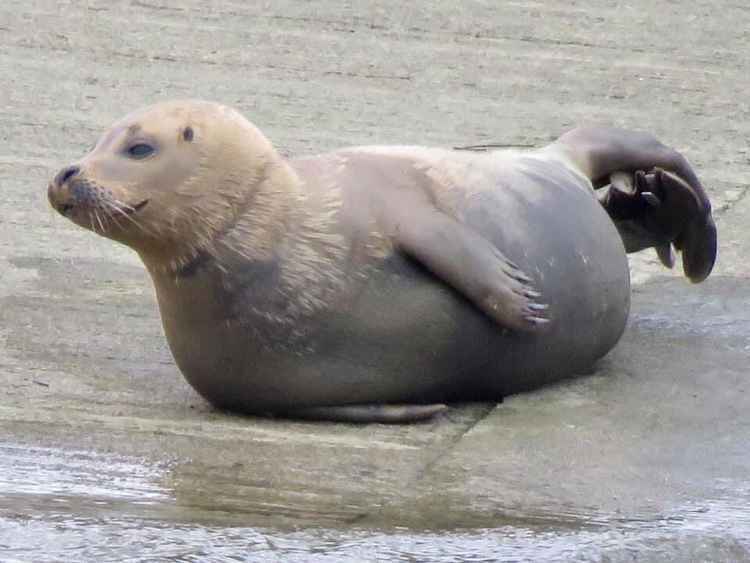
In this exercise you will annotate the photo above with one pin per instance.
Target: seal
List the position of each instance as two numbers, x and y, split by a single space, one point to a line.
380 283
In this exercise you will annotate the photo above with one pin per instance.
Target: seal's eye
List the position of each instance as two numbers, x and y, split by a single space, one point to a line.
140 150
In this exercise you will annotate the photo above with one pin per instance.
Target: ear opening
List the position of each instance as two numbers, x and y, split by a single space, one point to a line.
188 134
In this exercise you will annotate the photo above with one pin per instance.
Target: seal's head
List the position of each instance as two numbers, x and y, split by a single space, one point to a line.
166 179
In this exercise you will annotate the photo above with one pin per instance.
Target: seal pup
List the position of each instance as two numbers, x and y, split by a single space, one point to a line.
378 283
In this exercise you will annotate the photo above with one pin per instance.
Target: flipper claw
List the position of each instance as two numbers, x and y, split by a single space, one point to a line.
473 265
651 199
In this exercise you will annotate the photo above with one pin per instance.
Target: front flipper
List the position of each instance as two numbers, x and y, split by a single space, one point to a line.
384 414
658 209
474 266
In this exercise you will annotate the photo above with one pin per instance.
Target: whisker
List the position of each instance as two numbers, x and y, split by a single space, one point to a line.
111 216
99 220
118 207
114 206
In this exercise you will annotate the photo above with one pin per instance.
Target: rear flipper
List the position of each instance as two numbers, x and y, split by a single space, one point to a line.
682 215
659 209
384 414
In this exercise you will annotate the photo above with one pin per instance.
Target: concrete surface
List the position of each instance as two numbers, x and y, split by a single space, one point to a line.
106 453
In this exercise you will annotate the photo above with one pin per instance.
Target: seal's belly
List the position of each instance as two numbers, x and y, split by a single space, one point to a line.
409 337
435 345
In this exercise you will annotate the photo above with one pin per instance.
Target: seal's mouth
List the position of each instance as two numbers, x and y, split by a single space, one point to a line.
130 209
65 209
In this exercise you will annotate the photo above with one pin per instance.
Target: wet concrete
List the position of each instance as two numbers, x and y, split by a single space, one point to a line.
107 454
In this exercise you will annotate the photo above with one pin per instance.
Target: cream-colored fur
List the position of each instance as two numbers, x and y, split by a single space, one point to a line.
196 189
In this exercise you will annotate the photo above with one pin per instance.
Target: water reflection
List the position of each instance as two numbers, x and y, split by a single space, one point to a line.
81 506
55 538
69 473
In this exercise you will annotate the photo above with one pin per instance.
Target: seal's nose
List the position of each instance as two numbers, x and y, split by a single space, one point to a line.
59 192
66 174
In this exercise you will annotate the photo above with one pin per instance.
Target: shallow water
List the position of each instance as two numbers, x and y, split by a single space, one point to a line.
81 506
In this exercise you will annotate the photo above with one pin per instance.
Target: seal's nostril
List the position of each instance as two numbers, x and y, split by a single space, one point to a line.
66 174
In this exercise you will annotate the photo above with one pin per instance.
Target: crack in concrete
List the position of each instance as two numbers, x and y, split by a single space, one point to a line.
486 410
727 206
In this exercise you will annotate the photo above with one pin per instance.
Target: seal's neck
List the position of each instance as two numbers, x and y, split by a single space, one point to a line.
249 226
282 258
